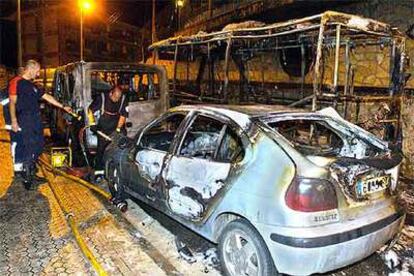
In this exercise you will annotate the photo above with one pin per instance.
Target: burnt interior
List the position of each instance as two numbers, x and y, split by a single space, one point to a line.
160 135
310 137
138 85
210 139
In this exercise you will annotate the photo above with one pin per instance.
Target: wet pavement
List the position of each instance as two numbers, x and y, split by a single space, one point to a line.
27 244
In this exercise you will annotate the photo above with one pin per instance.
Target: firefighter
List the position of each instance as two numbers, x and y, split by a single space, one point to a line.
113 113
26 122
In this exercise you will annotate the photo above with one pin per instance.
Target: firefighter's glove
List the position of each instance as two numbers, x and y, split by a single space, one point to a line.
94 128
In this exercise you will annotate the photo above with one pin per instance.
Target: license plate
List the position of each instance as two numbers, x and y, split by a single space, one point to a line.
372 185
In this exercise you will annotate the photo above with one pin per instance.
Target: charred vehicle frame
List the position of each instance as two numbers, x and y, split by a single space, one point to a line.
305 48
257 181
77 84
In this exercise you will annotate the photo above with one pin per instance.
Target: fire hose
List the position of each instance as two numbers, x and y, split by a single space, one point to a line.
73 224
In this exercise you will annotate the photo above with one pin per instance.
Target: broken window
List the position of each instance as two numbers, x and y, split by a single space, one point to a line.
310 137
202 138
297 60
210 139
138 86
231 148
143 86
161 135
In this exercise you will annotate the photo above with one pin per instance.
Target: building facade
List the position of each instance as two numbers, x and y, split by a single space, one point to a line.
51 34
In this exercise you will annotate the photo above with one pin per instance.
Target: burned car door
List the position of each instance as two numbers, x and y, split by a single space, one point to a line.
151 149
198 172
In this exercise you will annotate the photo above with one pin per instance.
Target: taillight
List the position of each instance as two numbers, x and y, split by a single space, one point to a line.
311 195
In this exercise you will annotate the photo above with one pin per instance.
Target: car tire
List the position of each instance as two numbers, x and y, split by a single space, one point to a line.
252 258
113 179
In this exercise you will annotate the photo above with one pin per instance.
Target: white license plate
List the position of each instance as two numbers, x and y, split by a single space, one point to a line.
372 185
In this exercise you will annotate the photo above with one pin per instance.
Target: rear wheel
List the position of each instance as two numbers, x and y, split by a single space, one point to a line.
242 251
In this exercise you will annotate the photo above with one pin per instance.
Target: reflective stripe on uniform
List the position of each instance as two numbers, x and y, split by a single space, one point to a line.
99 172
103 103
122 103
4 102
18 167
13 150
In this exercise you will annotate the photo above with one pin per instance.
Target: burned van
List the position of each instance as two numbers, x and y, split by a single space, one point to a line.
78 84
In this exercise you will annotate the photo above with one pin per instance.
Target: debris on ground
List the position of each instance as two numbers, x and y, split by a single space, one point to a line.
208 258
399 258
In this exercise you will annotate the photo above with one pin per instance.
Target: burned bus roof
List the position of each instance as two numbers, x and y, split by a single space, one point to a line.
356 24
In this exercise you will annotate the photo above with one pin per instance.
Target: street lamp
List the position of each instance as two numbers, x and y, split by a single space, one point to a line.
179 4
84 6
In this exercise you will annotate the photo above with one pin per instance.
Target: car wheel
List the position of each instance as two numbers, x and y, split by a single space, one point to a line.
113 179
242 251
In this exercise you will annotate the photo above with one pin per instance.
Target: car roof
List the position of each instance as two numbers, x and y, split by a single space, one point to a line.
242 114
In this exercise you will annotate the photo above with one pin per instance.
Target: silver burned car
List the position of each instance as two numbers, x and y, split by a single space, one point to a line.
280 190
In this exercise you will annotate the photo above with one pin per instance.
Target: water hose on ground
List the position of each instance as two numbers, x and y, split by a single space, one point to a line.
73 225
76 179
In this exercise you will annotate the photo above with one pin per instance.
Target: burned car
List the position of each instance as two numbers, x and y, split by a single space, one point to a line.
281 190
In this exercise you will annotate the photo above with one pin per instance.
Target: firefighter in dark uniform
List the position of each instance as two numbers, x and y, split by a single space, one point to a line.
26 122
113 113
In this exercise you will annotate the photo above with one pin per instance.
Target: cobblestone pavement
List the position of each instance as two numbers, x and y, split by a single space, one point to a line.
26 245
35 238
118 251
6 172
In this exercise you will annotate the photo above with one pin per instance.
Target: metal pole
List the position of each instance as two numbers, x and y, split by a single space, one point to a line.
317 72
81 34
175 69
337 48
347 77
153 27
19 35
302 69
178 18
392 67
226 70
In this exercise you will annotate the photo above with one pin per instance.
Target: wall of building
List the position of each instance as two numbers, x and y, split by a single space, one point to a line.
52 37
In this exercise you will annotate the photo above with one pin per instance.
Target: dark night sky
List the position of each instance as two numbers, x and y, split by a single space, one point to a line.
135 12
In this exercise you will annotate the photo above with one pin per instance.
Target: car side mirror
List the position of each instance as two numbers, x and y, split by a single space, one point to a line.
128 124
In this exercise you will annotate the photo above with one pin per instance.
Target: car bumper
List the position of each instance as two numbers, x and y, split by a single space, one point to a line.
304 256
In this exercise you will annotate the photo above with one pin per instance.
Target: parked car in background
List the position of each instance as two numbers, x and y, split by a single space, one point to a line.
280 190
77 84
